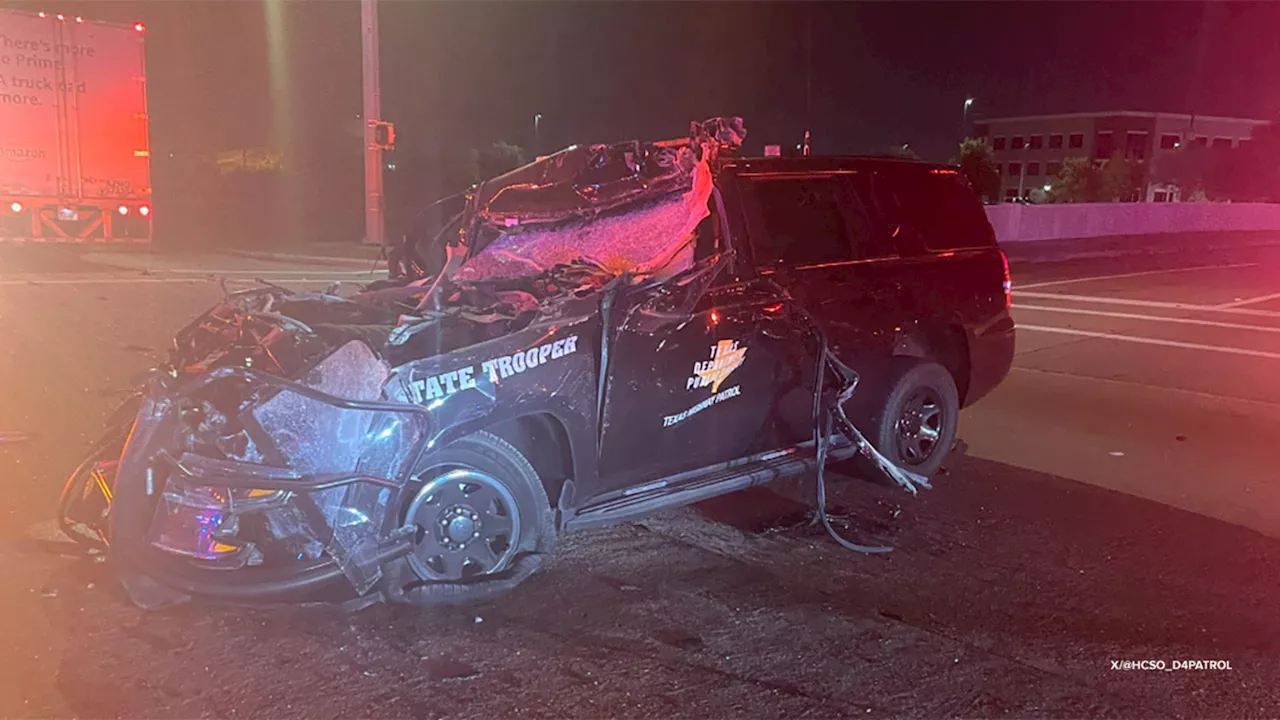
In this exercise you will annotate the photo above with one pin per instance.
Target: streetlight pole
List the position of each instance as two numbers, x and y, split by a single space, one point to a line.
1022 172
537 145
374 211
964 119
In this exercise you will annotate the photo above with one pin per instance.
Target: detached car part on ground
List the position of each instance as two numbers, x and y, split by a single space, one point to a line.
598 348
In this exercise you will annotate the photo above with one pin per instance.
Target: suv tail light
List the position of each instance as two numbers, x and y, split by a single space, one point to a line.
1008 282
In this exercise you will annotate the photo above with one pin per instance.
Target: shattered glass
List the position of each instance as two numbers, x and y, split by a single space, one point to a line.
314 436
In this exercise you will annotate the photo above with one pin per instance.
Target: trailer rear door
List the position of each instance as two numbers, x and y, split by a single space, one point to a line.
31 123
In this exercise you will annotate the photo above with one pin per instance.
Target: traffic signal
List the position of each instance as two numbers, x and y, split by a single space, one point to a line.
384 135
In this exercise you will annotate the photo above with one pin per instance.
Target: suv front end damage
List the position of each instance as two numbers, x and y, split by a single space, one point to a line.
293 489
285 460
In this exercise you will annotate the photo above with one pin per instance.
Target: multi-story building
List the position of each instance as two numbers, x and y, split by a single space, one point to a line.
1029 150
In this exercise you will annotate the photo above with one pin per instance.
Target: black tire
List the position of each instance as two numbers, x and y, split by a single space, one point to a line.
913 383
535 532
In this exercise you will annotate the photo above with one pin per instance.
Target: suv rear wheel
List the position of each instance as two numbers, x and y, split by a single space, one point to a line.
483 521
915 427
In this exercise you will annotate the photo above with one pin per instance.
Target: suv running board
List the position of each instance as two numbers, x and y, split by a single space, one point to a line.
704 483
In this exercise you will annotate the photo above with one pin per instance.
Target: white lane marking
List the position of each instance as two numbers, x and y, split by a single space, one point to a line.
145 280
1261 404
1133 275
1156 318
1247 301
1148 303
1154 341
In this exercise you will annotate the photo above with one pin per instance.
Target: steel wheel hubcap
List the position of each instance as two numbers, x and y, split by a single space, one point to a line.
467 526
920 426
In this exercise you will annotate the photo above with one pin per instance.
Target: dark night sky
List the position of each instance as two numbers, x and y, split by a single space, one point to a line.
458 75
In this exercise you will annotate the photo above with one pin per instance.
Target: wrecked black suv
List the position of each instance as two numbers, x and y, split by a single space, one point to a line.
617 329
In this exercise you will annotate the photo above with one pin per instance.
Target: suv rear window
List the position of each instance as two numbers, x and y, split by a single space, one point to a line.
945 210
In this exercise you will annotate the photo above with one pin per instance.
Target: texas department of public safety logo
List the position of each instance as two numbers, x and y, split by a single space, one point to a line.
726 356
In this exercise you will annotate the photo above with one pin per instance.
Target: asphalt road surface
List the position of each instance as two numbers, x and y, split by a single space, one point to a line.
1119 502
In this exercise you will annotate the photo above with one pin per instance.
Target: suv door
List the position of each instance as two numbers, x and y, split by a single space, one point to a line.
696 364
813 234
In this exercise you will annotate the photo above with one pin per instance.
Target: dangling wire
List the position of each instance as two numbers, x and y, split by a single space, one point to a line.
827 420
823 424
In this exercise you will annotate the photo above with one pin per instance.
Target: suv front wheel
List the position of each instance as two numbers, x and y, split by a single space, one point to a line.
916 425
483 523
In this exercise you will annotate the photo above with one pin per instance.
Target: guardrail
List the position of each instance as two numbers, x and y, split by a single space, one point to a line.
1015 222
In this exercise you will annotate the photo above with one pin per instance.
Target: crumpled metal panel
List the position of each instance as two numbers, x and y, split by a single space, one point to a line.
653 235
620 242
583 180
586 182
355 514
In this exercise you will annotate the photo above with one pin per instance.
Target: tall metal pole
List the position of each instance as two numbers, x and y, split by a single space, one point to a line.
1022 172
374 212
808 78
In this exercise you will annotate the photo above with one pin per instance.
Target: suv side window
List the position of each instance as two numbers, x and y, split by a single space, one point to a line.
944 210
808 220
802 222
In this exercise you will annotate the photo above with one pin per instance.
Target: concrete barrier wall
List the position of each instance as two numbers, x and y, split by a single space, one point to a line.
1015 222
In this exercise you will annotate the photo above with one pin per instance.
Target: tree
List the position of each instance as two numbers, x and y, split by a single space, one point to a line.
462 169
1121 180
979 168
1082 180
497 159
1079 181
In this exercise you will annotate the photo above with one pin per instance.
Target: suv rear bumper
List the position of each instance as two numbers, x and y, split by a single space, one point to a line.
990 358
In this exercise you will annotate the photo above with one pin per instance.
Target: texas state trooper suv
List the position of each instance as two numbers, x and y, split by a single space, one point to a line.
616 329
